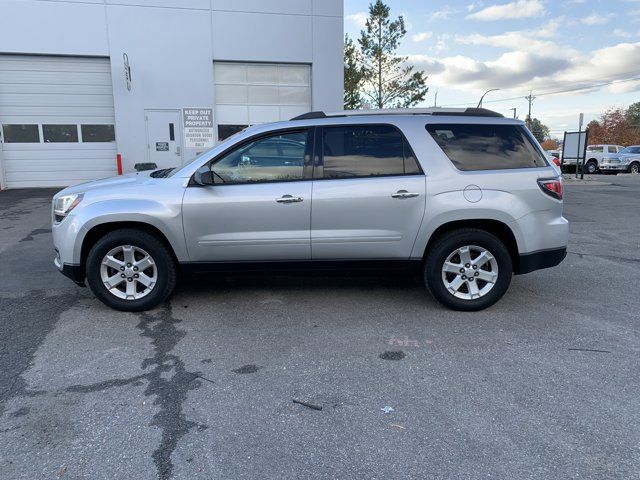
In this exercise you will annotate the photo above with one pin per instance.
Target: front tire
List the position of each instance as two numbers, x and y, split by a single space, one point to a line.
130 270
468 269
634 168
591 167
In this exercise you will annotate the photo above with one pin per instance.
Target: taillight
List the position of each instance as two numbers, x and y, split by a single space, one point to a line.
556 161
551 186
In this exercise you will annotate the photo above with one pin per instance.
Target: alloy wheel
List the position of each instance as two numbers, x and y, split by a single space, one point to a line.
470 272
128 272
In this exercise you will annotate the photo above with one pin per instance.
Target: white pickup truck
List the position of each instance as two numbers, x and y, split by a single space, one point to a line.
595 154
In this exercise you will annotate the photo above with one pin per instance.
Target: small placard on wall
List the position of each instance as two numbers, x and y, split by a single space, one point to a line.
162 146
198 128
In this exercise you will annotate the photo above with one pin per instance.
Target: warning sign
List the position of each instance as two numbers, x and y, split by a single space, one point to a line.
198 127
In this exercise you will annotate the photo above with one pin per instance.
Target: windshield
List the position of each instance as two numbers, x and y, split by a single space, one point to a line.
630 150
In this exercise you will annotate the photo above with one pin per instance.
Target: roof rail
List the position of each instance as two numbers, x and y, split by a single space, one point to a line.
469 112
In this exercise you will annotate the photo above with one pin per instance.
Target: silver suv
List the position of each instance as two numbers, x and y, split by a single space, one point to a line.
465 197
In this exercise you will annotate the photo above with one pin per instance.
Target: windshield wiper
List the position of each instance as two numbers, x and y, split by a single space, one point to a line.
162 173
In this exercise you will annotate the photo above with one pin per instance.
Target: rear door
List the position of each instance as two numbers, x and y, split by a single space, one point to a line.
368 194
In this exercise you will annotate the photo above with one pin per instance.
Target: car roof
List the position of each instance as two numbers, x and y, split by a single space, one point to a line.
438 111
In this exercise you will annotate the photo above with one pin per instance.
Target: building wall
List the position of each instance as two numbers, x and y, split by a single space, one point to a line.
172 44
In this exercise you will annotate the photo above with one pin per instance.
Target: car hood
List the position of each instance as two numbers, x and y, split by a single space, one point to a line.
137 177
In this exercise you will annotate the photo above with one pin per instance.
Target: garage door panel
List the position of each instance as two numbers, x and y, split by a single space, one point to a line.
54 78
56 90
61 177
54 64
250 93
37 88
81 165
55 100
61 111
60 155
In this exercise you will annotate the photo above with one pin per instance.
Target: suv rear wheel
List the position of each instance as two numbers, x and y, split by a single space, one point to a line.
468 269
130 270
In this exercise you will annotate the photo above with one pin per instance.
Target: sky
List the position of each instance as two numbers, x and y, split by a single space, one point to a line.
591 47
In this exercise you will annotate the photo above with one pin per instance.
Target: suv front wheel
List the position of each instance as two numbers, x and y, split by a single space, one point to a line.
130 270
468 269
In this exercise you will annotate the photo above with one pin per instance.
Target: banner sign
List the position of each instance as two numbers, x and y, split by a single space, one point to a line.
198 127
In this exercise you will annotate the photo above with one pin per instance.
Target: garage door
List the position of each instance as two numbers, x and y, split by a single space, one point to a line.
250 93
57 120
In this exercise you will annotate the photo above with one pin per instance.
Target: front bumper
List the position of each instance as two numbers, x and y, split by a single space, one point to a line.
530 262
613 167
74 272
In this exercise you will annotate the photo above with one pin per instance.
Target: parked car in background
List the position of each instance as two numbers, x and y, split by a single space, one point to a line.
553 160
595 154
593 159
626 160
466 197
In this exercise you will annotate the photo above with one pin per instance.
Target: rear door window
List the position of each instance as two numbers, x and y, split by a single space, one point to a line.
486 147
366 151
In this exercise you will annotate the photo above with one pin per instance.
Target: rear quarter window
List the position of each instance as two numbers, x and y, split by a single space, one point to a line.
486 147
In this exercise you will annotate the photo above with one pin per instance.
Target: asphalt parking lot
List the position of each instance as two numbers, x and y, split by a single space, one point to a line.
543 385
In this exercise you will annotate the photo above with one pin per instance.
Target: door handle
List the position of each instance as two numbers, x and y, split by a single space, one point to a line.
404 194
289 199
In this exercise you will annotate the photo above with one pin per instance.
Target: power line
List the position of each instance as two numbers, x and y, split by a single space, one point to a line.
578 88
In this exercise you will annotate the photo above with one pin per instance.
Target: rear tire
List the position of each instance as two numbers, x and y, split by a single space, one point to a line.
121 255
476 286
591 167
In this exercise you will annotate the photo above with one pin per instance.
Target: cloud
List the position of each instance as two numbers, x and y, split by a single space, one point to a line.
597 19
518 71
442 14
620 33
359 18
505 11
421 36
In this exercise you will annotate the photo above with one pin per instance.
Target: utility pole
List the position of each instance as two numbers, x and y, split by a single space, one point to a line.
515 112
435 100
530 99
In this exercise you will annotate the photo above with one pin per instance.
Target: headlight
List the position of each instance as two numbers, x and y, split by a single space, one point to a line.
63 205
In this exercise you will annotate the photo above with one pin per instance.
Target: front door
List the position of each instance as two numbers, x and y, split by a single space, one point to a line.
164 137
259 207
368 195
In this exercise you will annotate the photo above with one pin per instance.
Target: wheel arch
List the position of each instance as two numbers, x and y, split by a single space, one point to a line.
98 231
497 228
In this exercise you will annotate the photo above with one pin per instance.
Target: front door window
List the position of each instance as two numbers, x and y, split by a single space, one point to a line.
277 158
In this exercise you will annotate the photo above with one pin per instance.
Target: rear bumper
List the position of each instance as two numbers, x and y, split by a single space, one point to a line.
530 262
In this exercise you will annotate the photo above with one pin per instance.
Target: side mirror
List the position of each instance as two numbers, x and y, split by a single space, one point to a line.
203 176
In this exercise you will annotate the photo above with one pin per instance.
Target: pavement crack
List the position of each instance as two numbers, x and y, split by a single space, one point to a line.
37 231
170 391
100 386
168 380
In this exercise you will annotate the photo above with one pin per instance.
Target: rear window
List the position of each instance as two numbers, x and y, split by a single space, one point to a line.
486 147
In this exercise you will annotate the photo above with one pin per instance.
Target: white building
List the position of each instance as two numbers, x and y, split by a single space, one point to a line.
200 70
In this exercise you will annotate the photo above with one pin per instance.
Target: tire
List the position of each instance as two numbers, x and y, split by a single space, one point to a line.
591 167
501 266
127 293
634 168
